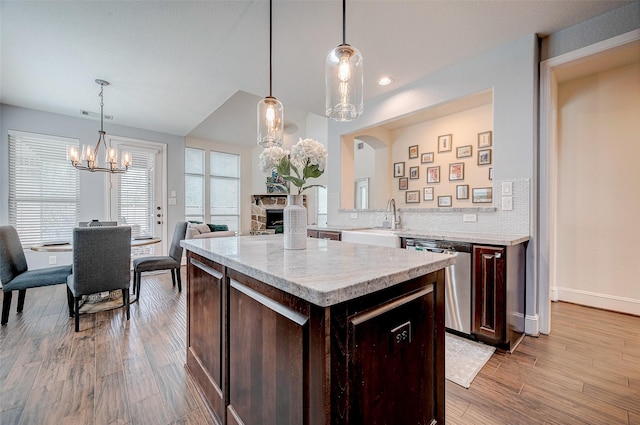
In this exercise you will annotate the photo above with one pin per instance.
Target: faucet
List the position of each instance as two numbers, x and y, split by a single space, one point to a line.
395 219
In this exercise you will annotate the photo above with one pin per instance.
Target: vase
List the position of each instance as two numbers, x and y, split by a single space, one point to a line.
295 223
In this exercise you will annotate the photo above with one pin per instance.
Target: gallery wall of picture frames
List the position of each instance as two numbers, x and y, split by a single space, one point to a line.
451 156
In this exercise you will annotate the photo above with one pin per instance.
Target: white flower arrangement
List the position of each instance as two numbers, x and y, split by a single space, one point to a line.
308 160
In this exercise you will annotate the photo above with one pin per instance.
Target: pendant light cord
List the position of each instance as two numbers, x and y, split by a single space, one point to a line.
344 21
270 45
101 108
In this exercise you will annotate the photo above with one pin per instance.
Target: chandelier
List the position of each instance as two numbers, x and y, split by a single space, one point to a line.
344 79
270 110
87 159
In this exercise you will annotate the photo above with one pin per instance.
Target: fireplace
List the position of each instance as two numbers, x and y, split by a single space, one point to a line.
274 218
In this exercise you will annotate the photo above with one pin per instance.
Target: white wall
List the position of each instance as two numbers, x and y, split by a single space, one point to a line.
598 193
93 194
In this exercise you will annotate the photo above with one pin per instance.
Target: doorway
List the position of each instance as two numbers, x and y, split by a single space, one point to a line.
137 197
586 120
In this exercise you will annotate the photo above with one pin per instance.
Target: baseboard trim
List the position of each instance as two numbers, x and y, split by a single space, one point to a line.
532 325
598 300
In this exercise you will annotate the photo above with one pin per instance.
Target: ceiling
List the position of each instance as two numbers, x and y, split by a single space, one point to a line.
199 68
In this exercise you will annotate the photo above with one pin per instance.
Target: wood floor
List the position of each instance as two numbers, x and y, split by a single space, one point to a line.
113 372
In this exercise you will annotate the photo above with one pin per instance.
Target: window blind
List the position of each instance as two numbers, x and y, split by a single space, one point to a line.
43 188
194 184
136 199
225 189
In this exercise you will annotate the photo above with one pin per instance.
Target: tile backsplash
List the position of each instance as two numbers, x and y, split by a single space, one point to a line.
492 220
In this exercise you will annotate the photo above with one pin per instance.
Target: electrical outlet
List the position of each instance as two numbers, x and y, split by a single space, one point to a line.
469 218
507 203
354 215
53 259
172 201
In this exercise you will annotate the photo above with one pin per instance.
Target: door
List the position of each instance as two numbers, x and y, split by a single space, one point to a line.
137 197
488 294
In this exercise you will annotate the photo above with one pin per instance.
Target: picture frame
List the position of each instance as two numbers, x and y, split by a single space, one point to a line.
412 196
462 191
456 171
445 143
413 151
403 183
491 173
464 151
427 194
444 201
398 169
485 139
433 174
484 156
414 173
482 195
426 158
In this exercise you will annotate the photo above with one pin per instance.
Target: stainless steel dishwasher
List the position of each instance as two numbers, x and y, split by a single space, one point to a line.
457 281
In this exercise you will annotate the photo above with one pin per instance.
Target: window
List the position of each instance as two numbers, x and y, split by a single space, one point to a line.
194 184
225 189
43 188
322 206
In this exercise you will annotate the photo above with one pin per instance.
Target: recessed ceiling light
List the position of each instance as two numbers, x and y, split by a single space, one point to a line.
385 81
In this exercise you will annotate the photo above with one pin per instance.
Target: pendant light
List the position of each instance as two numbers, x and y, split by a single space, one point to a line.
270 111
87 160
344 79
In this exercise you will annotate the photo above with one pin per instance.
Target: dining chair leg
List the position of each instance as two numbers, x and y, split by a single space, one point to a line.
70 301
137 278
179 280
173 277
21 295
125 297
77 313
6 305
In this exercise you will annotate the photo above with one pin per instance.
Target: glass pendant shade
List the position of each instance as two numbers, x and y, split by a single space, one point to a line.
270 122
344 81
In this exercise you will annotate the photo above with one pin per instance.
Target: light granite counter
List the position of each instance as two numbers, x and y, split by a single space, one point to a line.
326 273
334 227
477 238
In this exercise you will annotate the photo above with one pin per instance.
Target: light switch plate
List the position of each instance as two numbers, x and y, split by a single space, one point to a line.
172 201
354 215
507 188
507 203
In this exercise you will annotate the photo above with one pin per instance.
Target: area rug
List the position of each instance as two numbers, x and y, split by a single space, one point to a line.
102 302
464 359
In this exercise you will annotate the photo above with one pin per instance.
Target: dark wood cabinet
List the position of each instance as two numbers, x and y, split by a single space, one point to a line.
488 294
259 355
324 234
498 293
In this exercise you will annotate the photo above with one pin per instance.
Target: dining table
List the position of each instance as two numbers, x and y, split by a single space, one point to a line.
66 246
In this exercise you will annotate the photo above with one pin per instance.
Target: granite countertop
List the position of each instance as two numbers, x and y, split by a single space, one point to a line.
480 238
326 273
334 227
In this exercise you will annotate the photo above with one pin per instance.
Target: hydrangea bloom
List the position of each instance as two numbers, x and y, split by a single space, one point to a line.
309 152
270 158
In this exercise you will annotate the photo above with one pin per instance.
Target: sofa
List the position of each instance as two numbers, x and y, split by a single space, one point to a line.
201 230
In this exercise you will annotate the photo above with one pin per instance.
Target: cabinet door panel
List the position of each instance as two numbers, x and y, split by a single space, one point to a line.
204 353
392 362
266 350
489 292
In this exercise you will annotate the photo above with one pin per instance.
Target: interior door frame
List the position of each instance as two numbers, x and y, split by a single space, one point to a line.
162 148
547 163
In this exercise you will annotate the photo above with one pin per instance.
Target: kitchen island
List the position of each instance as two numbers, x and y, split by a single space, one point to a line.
338 333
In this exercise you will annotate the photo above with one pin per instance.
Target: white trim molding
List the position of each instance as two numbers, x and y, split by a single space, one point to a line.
532 325
598 300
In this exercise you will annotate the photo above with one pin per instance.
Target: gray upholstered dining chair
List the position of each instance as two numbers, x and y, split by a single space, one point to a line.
101 262
15 274
170 262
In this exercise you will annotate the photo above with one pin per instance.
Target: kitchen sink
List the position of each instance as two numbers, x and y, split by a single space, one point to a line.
379 237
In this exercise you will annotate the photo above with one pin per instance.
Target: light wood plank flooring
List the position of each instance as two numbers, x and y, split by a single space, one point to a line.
586 372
